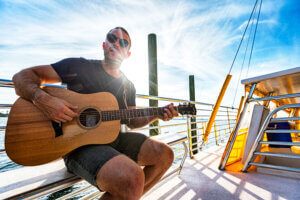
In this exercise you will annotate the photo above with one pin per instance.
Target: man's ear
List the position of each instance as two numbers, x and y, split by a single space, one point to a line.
103 45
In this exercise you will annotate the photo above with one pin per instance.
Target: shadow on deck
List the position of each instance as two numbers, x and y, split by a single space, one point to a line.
201 179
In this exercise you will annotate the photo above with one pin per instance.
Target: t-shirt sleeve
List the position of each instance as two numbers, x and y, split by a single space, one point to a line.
66 69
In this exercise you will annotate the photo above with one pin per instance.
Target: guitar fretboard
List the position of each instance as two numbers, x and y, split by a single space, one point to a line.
130 113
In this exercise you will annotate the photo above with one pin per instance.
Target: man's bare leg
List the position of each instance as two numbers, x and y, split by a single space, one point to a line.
157 158
121 178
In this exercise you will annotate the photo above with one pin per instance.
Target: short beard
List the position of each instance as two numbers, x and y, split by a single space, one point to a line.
113 62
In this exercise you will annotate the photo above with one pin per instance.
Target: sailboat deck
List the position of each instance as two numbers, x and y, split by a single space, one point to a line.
200 178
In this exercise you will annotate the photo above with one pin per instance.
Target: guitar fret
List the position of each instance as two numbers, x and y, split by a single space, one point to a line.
117 114
133 113
121 114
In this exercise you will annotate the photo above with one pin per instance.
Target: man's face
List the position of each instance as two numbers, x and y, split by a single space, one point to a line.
116 47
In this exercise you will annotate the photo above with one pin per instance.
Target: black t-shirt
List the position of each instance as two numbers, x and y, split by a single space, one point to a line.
88 76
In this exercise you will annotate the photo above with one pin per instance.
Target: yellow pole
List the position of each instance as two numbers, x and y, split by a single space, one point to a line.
240 107
216 133
216 107
228 122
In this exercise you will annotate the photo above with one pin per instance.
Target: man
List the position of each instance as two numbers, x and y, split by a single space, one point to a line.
114 168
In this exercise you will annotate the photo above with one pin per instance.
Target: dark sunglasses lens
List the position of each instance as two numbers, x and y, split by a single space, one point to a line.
111 38
123 43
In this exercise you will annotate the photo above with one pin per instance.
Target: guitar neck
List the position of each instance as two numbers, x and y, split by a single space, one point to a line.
124 114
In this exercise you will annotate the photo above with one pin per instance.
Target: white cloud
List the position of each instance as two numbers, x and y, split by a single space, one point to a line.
194 37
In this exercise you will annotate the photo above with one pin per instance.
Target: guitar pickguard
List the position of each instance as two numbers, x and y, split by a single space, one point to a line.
57 128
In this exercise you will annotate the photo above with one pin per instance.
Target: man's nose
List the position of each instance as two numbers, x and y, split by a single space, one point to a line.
117 46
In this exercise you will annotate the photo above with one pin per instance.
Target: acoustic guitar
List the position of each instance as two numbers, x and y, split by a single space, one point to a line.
32 139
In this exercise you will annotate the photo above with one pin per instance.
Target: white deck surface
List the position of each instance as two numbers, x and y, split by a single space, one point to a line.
201 179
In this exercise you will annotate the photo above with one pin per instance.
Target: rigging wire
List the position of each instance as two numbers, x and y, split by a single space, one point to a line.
252 24
254 37
237 84
254 9
244 58
243 37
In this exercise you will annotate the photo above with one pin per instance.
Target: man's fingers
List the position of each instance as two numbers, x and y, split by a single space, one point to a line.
65 117
70 106
70 112
67 110
173 111
165 117
57 121
169 114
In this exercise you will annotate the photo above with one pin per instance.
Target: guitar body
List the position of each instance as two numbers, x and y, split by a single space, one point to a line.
30 138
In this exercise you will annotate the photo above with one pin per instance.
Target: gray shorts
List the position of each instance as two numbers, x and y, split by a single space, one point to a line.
87 160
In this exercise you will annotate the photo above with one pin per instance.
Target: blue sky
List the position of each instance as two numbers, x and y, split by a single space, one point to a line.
194 37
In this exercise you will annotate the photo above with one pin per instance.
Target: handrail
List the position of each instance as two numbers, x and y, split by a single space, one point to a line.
276 97
48 189
282 131
6 82
285 119
275 167
276 155
280 143
263 130
5 105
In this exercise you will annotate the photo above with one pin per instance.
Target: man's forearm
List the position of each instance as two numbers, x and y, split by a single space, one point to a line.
140 122
27 85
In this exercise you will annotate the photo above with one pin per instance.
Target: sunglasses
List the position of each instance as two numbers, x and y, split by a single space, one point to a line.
113 39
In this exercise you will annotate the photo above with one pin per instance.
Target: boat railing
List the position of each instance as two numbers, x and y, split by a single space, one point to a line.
181 139
259 140
278 152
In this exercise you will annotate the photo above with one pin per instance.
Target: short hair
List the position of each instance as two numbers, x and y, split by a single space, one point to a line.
125 31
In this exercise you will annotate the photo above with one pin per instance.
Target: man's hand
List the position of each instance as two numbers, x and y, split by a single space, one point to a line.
169 112
56 109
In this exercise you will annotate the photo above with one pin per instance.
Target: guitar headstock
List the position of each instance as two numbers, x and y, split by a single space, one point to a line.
187 109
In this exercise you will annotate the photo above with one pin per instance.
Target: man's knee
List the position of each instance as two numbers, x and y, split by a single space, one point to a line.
167 155
164 153
154 152
122 178
131 184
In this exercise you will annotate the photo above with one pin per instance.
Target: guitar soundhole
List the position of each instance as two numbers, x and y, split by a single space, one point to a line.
89 118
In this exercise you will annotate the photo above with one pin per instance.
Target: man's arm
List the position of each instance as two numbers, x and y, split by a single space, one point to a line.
169 113
27 85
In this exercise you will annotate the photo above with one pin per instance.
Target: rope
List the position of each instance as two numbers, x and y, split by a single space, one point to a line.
237 84
254 37
242 37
